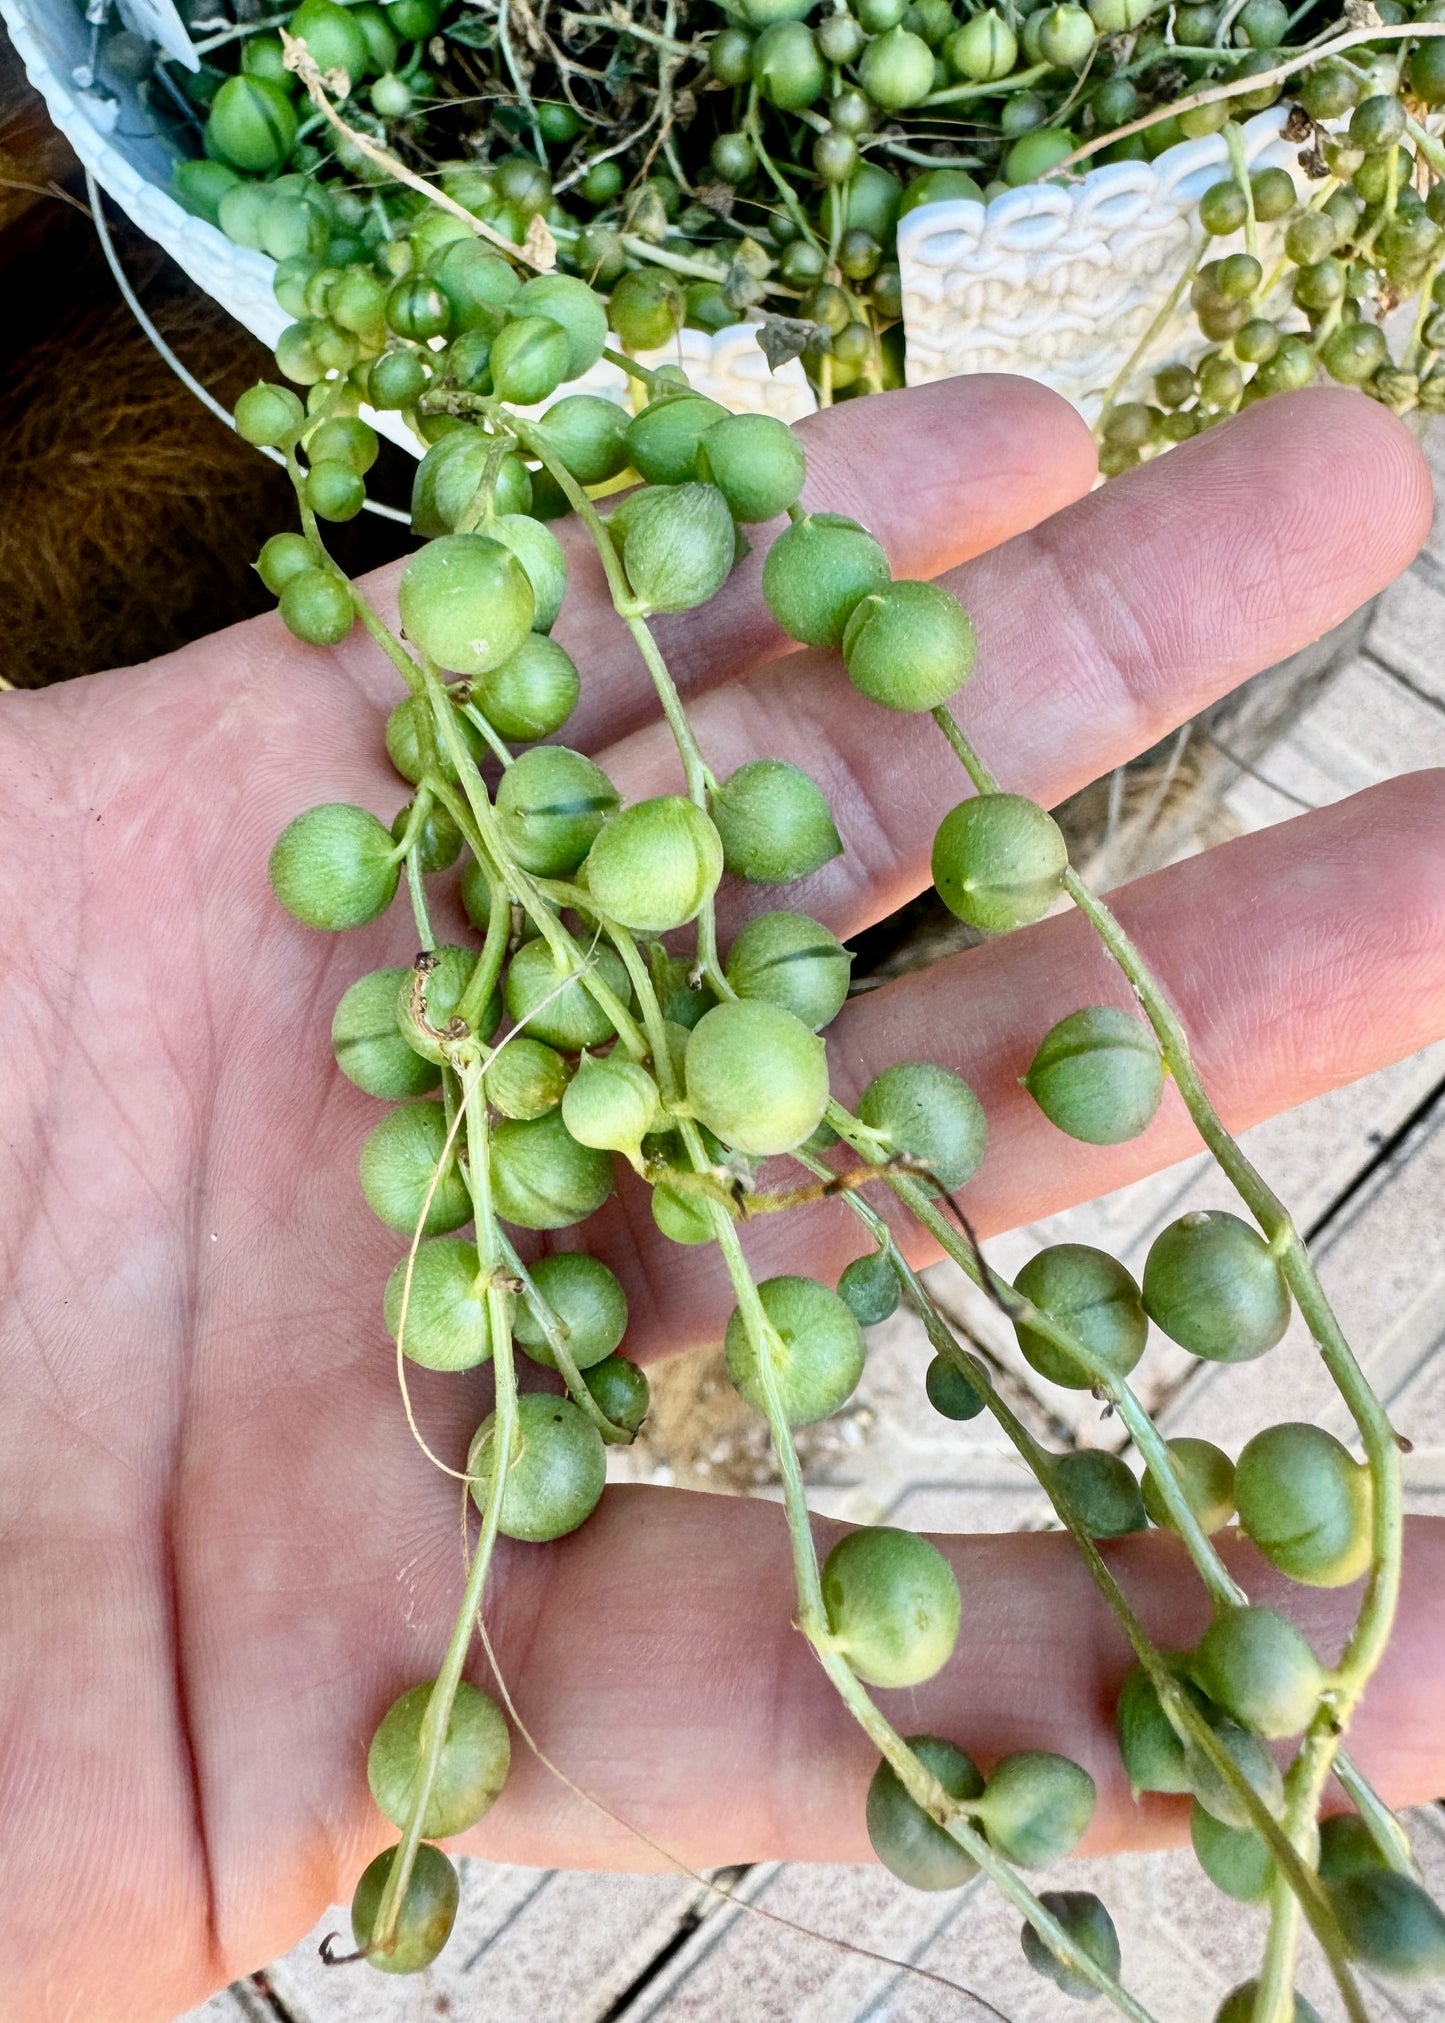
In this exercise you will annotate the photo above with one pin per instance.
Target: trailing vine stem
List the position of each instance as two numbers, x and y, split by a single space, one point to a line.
1366 1642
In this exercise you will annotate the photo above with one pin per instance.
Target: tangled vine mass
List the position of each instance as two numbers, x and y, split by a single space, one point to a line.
480 204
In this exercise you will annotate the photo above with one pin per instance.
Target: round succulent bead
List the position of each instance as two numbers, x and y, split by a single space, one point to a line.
929 1114
786 66
1153 1755
437 1301
816 1360
775 823
540 553
1036 1807
531 695
789 960
1347 1846
909 646
817 572
575 308
869 1287
951 1394
529 359
1238 2006
1254 1763
662 440
588 435
368 1043
1101 1492
904 1837
1391 1925
525 1078
892 1604
556 1474
1259 1668
399 1161
1236 1859
466 602
334 867
756 1076
612 1103
620 1391
1098 1075
896 70
542 1178
1206 1480
1092 1295
428 1910
252 124
655 865
551 804
475 1756
756 462
587 1299
557 1007
1306 1503
999 862
1212 1284
1088 1924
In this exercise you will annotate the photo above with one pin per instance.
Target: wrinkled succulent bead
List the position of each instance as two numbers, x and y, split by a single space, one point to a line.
1206 1479
904 1837
655 865
1101 1492
756 1076
1259 1668
892 1604
398 1162
1087 1923
775 823
1092 1295
909 646
1098 1075
1212 1284
542 1178
817 1359
368 1043
432 1001
587 1299
1306 1503
816 574
446 1326
928 1114
678 545
556 1474
999 862
466 602
428 1910
789 960
1036 1807
334 867
551 804
471 1770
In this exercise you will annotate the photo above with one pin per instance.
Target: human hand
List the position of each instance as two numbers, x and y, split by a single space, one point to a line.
223 1555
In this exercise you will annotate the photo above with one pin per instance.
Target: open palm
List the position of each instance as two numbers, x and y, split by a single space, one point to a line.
221 1554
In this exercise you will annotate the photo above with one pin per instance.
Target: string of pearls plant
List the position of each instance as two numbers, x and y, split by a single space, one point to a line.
572 1031
700 164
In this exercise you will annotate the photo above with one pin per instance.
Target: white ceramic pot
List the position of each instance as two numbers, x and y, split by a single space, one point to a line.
1058 282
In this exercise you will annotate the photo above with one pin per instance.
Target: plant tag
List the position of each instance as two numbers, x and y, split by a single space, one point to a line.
159 22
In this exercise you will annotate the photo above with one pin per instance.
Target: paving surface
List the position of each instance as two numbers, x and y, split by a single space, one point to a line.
1362 1170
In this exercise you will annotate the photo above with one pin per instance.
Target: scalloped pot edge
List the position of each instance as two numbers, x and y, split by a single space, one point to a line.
1058 282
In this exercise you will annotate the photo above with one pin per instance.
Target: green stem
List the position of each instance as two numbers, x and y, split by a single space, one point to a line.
444 1692
957 94
1234 141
